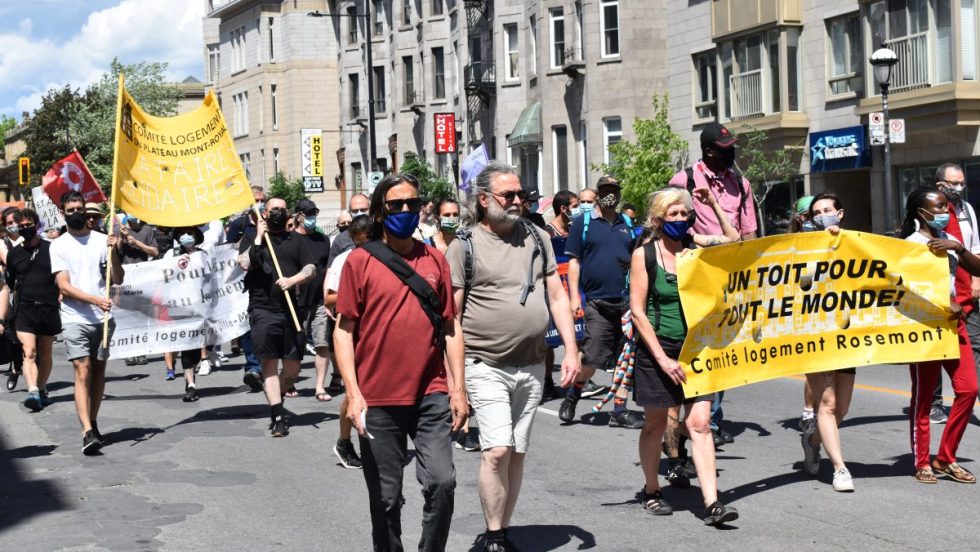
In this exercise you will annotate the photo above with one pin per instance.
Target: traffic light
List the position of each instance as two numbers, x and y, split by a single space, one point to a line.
24 176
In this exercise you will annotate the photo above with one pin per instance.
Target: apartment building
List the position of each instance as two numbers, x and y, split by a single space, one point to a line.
801 71
274 69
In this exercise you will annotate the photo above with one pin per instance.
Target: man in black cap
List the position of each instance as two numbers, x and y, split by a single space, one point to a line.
529 208
311 298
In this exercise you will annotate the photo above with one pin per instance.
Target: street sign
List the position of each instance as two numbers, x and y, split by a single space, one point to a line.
445 129
876 128
896 131
312 159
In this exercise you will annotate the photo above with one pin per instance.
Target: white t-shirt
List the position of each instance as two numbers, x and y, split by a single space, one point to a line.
954 259
333 273
214 234
84 259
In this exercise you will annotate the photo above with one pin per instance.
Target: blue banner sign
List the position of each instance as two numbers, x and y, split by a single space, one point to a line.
839 149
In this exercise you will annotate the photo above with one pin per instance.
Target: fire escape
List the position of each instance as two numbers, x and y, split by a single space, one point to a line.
478 75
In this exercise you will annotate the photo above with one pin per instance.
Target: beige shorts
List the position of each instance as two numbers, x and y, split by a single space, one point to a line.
504 402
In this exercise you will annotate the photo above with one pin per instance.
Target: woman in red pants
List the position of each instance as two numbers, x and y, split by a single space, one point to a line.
926 217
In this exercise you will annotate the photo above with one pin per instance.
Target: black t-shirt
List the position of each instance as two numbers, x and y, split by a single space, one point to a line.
293 254
29 272
319 246
238 227
537 219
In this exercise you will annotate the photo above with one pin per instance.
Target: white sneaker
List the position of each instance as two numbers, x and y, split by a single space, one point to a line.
214 359
204 367
842 481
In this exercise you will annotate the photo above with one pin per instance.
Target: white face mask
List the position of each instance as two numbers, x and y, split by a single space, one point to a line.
186 240
576 211
587 207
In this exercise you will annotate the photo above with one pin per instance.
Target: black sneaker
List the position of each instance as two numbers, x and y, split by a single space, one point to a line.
677 475
253 380
33 401
718 514
131 361
592 389
655 503
279 427
344 449
45 399
726 437
190 394
90 443
808 425
567 411
626 419
937 415
466 442
98 434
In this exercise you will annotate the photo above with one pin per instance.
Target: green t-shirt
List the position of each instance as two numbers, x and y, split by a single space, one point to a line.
666 296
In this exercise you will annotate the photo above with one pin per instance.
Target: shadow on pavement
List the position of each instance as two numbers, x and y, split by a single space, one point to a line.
738 428
238 412
127 377
311 419
544 537
22 499
135 434
867 420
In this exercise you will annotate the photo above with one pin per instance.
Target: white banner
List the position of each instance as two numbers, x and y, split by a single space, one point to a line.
47 211
179 303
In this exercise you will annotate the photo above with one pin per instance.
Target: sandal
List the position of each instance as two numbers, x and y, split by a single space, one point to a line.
336 385
323 396
925 475
955 472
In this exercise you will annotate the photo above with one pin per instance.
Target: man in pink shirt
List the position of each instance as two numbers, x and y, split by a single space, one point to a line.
715 171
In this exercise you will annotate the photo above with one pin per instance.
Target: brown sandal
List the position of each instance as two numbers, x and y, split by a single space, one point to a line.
955 472
925 475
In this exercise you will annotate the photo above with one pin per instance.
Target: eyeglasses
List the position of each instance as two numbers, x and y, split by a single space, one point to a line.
414 205
509 196
954 182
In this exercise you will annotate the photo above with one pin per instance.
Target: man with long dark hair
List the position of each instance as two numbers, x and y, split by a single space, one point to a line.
392 332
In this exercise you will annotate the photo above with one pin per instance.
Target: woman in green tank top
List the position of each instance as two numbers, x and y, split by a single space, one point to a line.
658 320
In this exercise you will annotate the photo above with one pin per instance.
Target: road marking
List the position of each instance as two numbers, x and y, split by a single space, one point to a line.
889 390
547 411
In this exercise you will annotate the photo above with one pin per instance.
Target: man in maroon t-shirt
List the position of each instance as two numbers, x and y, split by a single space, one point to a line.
392 364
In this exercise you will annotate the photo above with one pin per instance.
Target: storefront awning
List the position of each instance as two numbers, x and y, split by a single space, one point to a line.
528 127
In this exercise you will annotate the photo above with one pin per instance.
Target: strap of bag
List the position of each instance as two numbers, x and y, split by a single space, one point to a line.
426 294
465 237
650 260
742 194
539 249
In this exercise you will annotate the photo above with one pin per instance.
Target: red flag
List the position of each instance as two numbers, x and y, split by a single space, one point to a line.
71 174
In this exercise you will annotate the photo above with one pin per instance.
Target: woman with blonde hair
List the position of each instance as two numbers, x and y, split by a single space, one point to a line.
658 319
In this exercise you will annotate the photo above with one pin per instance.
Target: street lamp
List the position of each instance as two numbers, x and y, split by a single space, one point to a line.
372 149
883 61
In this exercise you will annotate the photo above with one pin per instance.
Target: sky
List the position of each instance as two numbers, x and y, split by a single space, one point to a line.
48 44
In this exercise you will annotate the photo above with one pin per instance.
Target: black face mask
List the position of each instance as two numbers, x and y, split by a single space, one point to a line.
76 220
277 219
28 233
726 157
343 227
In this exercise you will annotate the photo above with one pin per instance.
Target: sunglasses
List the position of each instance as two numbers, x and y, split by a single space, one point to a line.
74 210
414 205
509 196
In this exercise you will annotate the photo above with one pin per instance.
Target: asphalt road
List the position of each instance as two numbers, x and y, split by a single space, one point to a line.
207 476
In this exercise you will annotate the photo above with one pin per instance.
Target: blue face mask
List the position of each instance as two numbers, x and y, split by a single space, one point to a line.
402 224
576 211
186 240
587 207
309 223
939 221
677 229
808 226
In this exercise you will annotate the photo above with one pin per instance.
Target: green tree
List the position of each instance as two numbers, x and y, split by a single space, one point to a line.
86 121
646 165
290 190
434 187
6 123
763 165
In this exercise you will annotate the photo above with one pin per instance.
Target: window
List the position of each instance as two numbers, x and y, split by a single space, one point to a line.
246 159
438 73
436 7
533 30
612 132
968 36
705 104
406 12
275 161
241 113
409 93
609 25
238 50
272 39
904 27
511 53
579 31
846 62
772 49
351 25
214 63
794 70
275 106
355 95
559 155
557 16
583 155
379 89
261 111
379 17
751 76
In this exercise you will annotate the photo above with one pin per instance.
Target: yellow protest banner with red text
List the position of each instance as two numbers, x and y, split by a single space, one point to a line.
810 302
177 171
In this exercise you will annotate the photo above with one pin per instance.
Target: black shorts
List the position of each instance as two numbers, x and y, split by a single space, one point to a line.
190 359
603 333
653 388
275 337
38 318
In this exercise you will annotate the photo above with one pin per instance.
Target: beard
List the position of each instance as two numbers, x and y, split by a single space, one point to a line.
502 216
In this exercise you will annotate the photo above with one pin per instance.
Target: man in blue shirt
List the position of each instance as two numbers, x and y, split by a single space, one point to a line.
599 246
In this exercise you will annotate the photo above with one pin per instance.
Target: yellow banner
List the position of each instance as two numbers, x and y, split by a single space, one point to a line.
177 171
799 303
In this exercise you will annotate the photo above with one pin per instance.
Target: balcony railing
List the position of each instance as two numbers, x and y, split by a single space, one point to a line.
912 69
573 64
746 93
479 75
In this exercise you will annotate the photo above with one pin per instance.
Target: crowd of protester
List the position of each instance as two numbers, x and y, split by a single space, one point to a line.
480 285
